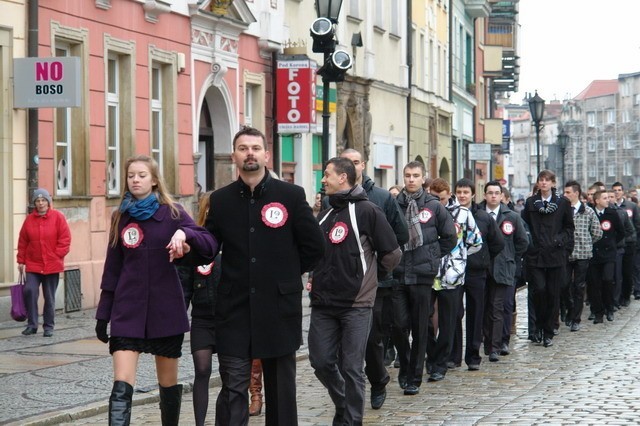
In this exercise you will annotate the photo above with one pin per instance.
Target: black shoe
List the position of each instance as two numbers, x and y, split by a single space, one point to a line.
504 351
610 316
396 363
48 333
474 367
536 337
625 303
598 319
547 342
29 331
568 323
436 376
402 381
616 308
636 296
452 365
377 398
592 316
556 331
494 357
411 390
575 326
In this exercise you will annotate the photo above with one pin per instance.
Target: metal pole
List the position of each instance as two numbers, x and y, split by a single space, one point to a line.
326 115
538 145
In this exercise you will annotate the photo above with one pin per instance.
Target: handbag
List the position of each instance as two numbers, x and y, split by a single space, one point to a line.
18 309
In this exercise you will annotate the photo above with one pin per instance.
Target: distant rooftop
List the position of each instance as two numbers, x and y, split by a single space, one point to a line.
599 88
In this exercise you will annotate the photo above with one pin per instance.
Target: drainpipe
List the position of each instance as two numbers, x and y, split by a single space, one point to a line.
275 150
410 71
454 163
32 114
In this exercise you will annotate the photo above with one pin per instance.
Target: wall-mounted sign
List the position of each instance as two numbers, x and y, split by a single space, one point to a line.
296 95
47 82
480 151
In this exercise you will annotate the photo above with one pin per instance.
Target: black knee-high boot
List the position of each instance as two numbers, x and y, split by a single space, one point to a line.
170 400
120 404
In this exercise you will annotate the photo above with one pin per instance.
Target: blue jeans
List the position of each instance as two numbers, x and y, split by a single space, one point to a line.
32 291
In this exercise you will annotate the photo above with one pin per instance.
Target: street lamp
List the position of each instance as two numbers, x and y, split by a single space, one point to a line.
335 64
563 141
536 106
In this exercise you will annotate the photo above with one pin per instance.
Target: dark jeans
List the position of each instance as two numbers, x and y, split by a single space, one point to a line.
601 287
32 292
411 309
341 334
493 316
544 285
439 348
473 291
577 278
374 357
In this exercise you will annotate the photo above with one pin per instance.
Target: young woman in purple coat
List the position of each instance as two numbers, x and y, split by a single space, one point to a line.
141 292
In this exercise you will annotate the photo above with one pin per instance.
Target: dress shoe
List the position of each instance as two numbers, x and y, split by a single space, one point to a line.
474 367
592 316
29 331
615 308
494 357
597 319
556 331
411 390
402 381
568 323
636 296
504 351
48 333
436 376
536 337
547 342
452 365
609 316
575 326
377 398
625 303
396 363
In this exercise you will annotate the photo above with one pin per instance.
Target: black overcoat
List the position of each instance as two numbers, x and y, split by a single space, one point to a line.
269 238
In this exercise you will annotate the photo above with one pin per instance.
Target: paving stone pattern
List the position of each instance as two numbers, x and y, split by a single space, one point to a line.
586 377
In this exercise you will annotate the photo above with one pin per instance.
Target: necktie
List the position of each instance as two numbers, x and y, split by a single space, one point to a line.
493 215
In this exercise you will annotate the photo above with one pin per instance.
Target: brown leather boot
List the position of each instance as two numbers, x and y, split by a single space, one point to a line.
255 388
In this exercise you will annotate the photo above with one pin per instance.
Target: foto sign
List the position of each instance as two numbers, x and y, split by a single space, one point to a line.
47 82
296 95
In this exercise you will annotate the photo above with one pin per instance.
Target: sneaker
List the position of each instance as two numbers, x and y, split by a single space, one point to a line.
29 331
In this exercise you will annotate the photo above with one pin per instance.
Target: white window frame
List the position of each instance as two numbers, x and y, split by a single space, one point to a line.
591 119
394 24
591 145
66 144
379 15
592 172
611 170
625 116
155 127
611 116
611 143
113 129
626 142
628 168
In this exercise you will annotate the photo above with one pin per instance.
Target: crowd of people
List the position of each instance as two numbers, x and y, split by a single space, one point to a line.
391 276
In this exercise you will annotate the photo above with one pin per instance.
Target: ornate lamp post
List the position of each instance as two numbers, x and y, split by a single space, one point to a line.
563 141
336 63
536 106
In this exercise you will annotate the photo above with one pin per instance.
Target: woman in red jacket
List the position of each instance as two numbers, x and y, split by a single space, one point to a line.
42 245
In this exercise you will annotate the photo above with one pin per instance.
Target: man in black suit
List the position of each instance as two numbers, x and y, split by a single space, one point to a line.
269 238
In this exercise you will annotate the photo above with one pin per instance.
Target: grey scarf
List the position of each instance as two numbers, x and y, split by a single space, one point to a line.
413 220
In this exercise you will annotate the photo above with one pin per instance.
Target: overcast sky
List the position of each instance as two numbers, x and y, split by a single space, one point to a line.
566 44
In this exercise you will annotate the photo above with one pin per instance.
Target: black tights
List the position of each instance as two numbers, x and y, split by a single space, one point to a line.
202 364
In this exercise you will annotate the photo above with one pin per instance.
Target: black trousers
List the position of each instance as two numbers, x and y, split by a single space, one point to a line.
411 309
628 272
493 316
509 307
577 278
374 356
601 287
473 291
441 340
232 406
544 286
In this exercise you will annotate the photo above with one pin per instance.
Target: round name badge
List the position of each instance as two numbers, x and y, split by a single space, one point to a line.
425 215
274 215
132 236
338 233
205 269
606 225
629 212
507 227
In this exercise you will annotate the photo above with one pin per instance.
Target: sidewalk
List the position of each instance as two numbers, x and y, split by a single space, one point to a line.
47 381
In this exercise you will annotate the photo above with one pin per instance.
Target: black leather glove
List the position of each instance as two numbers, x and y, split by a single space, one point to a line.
101 331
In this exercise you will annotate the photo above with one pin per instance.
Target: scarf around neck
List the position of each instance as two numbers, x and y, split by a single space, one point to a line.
413 220
139 209
545 207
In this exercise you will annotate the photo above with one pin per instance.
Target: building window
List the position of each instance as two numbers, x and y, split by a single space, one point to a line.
592 172
64 162
394 27
254 95
625 116
611 116
611 170
628 168
113 126
612 143
591 119
591 145
379 15
626 142
156 115
354 9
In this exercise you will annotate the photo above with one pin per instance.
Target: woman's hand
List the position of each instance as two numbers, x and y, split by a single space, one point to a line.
178 246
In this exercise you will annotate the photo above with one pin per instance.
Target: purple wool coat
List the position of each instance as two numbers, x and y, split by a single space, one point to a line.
141 291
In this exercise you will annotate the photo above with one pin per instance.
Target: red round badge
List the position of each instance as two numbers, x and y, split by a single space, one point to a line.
507 227
425 215
205 269
606 225
132 236
629 212
338 233
274 215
